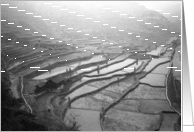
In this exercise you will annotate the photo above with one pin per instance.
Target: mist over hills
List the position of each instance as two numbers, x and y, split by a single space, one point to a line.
175 10
173 13
16 18
87 9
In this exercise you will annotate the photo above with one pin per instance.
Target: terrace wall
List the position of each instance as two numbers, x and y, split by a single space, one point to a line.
57 64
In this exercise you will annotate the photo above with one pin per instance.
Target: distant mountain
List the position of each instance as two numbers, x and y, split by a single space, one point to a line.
63 17
176 16
172 12
23 20
130 17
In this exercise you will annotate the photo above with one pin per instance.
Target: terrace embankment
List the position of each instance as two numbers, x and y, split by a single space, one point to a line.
36 62
158 126
77 66
52 66
91 92
114 96
35 54
79 84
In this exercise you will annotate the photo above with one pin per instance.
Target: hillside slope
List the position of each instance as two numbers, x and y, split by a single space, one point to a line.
78 23
22 21
173 13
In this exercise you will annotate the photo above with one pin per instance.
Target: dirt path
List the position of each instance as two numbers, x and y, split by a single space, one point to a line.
22 87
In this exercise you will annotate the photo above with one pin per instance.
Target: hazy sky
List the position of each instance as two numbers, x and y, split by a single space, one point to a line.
155 5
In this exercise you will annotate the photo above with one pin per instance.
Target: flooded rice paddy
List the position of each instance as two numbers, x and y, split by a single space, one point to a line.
113 93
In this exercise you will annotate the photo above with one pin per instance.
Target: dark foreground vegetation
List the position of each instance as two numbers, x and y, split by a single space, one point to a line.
15 119
12 118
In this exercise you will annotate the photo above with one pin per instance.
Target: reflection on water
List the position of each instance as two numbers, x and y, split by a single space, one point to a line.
119 58
93 59
154 62
113 67
154 79
55 71
63 69
115 73
134 66
162 69
59 70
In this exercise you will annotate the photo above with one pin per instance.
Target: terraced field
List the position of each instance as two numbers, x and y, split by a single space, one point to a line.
89 66
103 79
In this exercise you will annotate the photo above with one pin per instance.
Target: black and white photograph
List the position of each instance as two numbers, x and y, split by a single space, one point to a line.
91 65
